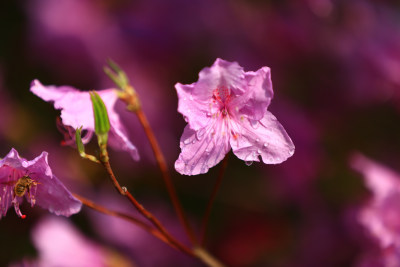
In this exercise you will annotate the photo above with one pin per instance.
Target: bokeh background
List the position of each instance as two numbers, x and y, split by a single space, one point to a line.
336 75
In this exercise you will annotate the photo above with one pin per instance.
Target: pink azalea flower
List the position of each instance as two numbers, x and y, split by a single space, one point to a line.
34 181
227 108
381 215
59 243
76 111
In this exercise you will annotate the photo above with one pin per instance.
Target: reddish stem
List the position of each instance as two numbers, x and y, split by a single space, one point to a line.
165 174
143 211
211 200
124 216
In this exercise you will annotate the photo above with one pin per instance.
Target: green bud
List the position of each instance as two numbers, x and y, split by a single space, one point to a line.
101 121
116 74
79 144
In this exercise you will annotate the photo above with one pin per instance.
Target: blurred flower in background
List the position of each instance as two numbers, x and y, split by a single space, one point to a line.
59 243
381 215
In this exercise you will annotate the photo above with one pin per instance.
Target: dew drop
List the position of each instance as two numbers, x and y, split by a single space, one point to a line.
254 124
186 119
258 140
186 142
209 114
248 162
200 133
194 141
124 189
265 145
258 151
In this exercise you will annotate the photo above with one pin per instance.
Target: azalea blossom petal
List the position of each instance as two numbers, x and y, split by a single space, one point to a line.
227 96
379 179
266 138
198 111
254 102
76 111
381 215
221 73
73 248
46 190
117 134
202 149
195 99
51 194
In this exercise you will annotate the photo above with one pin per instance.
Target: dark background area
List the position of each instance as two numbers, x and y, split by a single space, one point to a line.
336 75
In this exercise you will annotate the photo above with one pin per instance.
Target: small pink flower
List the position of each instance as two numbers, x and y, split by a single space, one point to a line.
34 181
227 108
381 215
59 243
76 111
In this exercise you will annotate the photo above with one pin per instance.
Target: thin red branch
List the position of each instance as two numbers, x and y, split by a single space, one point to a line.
165 174
124 191
124 216
212 199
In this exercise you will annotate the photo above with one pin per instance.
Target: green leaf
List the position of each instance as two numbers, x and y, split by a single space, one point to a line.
78 139
102 123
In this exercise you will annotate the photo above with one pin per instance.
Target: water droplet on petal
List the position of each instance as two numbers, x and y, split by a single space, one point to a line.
209 114
200 133
248 162
254 124
194 141
186 141
186 119
258 140
265 145
258 151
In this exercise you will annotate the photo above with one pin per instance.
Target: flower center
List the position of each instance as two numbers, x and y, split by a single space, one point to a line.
221 97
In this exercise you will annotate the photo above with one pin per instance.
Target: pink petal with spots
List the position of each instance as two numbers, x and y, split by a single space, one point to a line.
195 99
202 149
227 96
254 102
265 138
48 192
76 111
